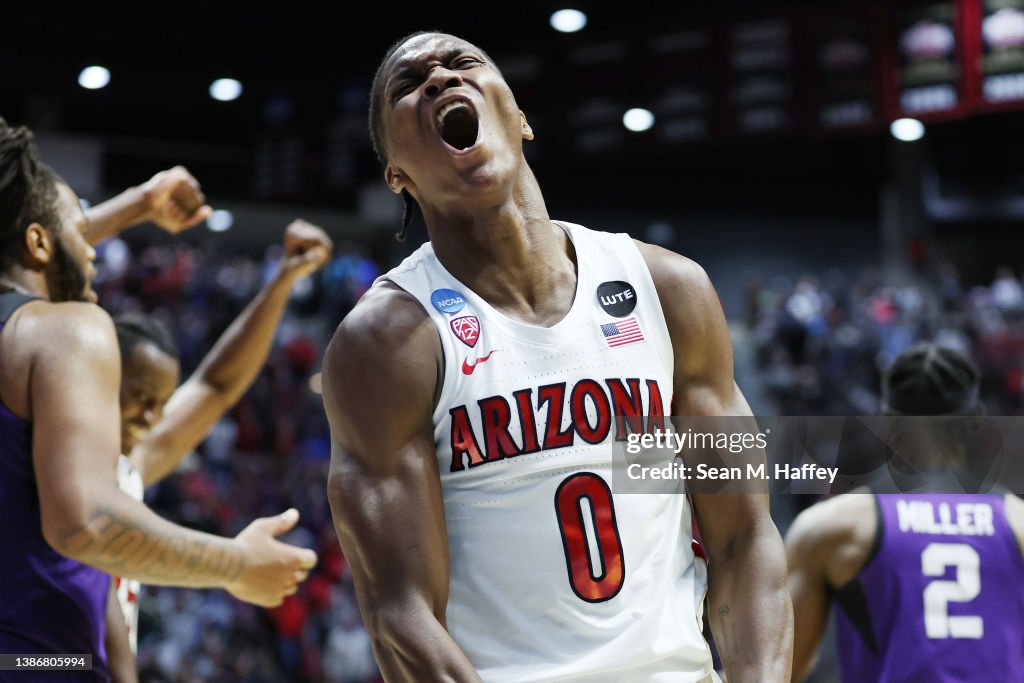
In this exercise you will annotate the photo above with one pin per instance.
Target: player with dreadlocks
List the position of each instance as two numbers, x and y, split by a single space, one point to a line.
925 584
66 525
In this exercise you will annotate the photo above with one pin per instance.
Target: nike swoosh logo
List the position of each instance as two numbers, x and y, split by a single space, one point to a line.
468 368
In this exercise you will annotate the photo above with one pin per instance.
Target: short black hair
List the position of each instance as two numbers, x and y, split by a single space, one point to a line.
928 379
136 328
376 132
28 190
375 124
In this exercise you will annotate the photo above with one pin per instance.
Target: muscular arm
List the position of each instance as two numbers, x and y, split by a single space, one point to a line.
750 610
119 652
807 554
74 381
232 364
380 377
826 547
74 389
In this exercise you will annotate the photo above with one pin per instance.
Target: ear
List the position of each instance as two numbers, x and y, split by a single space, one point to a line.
39 245
527 131
395 178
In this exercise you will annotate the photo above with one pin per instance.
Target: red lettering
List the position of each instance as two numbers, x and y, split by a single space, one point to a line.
622 395
598 432
463 441
655 408
527 423
627 406
554 395
497 414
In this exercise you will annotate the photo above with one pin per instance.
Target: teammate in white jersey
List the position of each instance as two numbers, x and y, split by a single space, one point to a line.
160 421
470 395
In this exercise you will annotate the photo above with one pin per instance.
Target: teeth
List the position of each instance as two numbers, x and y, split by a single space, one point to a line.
447 108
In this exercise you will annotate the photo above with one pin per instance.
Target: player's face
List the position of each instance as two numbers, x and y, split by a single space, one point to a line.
70 273
148 378
451 124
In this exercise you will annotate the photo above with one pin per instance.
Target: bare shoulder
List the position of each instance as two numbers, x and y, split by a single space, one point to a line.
44 339
68 328
382 326
837 534
385 310
673 271
381 366
689 300
832 516
1014 507
84 324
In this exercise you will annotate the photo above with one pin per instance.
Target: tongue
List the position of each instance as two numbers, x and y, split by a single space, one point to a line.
459 128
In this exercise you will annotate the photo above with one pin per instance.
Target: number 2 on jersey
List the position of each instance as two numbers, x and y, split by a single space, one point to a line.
937 596
586 516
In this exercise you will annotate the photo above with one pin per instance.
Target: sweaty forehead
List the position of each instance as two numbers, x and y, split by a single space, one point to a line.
419 49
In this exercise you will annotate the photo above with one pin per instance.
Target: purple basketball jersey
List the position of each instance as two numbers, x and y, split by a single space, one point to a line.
49 604
939 600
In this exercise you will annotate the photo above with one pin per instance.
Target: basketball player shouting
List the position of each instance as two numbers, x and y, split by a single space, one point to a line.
927 584
470 394
65 522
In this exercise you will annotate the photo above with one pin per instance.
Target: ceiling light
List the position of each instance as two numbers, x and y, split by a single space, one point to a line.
907 130
638 120
225 89
94 77
568 20
220 220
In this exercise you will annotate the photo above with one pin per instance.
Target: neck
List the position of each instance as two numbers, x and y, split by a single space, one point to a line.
509 253
26 282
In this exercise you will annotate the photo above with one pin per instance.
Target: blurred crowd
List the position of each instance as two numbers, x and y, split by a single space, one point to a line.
823 341
268 454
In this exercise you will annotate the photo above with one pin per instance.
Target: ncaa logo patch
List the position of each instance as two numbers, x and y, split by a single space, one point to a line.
467 328
617 298
447 301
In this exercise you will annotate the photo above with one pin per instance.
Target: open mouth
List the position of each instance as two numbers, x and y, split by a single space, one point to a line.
458 125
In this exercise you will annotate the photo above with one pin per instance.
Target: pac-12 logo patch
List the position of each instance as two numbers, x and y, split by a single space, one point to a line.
467 328
447 301
617 298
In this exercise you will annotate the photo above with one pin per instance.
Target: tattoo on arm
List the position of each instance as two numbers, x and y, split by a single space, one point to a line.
122 547
729 647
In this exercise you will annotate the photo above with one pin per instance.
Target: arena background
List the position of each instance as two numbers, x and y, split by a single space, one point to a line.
771 162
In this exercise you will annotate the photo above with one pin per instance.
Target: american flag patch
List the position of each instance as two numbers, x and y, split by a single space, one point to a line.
622 332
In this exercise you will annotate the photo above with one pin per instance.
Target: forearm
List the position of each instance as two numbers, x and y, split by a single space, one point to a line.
751 614
235 360
123 537
120 659
116 215
418 650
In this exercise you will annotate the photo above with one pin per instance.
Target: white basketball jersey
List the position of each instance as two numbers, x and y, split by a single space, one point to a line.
130 481
553 576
